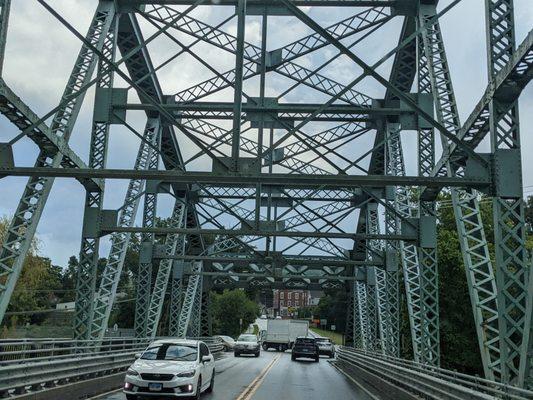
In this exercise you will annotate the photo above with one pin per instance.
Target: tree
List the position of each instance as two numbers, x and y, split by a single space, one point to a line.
229 308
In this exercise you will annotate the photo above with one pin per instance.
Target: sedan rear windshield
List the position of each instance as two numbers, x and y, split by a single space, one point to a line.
305 341
171 352
247 338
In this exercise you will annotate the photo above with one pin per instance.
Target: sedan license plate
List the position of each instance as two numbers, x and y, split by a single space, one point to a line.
155 387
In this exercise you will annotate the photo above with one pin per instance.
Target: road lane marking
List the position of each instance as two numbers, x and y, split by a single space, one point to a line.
249 391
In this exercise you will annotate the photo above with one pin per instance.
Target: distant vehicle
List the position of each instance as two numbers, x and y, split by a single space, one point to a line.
171 367
228 342
305 347
263 316
278 317
247 344
325 346
281 334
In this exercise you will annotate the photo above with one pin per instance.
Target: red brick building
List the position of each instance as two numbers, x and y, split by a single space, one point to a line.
286 302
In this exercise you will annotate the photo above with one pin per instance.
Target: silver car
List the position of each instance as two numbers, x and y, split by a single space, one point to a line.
247 344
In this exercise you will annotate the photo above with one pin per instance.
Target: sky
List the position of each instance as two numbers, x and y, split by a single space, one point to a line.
40 54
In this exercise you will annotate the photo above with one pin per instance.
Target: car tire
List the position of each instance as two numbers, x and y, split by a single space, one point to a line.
265 347
257 354
131 397
236 354
293 358
331 355
317 358
211 384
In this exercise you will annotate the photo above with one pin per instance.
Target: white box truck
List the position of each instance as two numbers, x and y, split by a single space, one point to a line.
281 333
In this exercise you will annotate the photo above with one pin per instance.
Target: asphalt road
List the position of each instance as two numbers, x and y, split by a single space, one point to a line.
274 376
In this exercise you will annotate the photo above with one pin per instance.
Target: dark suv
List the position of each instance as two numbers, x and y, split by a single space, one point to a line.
305 347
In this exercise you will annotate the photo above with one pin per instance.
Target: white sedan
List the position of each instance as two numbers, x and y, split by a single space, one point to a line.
173 368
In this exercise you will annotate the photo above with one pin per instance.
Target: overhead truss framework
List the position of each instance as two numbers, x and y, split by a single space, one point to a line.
283 172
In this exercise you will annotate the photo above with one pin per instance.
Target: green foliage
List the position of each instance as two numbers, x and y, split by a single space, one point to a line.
332 306
228 308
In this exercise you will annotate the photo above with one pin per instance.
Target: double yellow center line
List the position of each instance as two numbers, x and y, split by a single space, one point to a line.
249 391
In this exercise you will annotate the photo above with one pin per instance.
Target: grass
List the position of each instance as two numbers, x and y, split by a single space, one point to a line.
334 336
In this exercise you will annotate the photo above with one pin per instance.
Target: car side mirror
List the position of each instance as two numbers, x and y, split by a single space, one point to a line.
138 355
206 359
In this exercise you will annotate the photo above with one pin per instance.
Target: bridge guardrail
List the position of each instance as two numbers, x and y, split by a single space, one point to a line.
428 381
40 373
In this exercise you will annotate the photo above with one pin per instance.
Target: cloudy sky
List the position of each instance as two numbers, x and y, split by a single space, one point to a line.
40 54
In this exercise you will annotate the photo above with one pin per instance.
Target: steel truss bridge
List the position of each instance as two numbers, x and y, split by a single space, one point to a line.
284 177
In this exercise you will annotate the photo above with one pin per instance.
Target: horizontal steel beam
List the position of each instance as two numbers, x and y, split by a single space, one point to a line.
302 3
236 179
256 232
313 277
286 261
273 108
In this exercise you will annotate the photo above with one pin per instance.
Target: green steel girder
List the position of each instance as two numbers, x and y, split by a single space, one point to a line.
94 199
30 208
474 247
240 179
5 6
512 269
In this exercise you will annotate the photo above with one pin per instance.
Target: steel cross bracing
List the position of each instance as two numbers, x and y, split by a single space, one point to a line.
24 223
144 273
174 244
512 269
265 220
94 199
119 241
428 268
476 256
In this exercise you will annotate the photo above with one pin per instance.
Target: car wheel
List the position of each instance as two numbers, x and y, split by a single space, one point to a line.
211 384
265 347
317 358
293 358
236 354
131 397
331 355
257 354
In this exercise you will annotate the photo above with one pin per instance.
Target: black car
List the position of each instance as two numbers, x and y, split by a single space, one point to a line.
305 347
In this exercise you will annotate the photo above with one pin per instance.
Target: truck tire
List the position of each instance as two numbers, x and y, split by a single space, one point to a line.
265 346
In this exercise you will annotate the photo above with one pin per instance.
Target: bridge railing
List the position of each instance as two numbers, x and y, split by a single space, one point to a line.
25 350
428 381
36 374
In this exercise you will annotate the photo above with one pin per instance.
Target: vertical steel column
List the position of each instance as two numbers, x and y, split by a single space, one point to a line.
24 223
94 199
5 6
360 333
471 233
512 272
382 307
408 252
174 245
392 227
237 98
120 241
206 327
371 310
144 274
429 287
176 301
349 331
189 299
